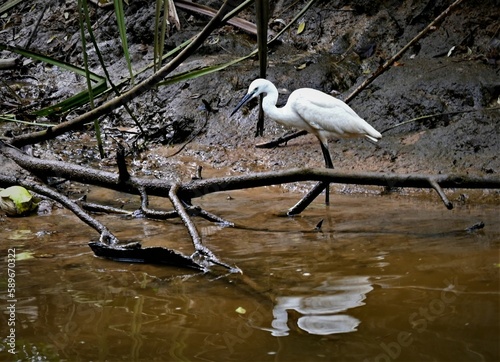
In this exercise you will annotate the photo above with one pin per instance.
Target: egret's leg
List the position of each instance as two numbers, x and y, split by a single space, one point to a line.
326 154
329 164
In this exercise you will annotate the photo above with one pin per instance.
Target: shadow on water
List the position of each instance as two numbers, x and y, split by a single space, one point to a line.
384 279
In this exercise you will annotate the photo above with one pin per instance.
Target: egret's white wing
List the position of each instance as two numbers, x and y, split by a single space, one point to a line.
328 114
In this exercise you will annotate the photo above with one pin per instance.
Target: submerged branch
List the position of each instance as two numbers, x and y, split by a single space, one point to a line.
106 236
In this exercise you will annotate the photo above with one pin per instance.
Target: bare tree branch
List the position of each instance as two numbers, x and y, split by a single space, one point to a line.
106 236
201 251
198 188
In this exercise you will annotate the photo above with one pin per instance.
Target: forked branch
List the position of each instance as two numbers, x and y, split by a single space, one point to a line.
181 195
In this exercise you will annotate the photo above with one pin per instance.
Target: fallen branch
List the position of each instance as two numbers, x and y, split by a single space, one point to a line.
308 198
281 140
182 194
243 24
109 246
106 236
198 188
151 255
164 215
201 252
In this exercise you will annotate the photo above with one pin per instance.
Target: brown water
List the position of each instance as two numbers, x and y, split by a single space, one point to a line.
388 278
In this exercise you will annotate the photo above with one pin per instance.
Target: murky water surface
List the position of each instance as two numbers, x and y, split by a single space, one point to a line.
387 278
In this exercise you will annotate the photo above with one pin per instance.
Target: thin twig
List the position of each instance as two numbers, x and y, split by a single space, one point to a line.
93 207
283 139
35 27
200 250
439 115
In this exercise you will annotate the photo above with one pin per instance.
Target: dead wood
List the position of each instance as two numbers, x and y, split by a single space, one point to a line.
202 253
106 236
197 188
243 24
308 198
181 195
151 255
192 210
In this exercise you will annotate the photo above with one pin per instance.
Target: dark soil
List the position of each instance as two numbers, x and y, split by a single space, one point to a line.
452 74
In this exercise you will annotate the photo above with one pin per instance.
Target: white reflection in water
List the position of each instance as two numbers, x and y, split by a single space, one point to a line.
321 313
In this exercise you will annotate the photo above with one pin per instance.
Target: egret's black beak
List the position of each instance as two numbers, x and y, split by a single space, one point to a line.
244 100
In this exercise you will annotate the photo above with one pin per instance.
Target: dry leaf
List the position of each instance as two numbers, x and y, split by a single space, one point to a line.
301 28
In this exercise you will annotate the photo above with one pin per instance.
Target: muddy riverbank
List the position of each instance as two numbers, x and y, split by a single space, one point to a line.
452 70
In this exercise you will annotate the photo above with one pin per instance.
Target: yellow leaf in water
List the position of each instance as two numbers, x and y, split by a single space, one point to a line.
25 255
21 235
241 310
301 28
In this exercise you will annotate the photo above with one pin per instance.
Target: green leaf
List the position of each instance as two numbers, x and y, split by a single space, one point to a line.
301 28
16 200
240 310
120 18
25 255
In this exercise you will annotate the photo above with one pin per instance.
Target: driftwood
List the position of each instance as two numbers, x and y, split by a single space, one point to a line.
182 194
197 188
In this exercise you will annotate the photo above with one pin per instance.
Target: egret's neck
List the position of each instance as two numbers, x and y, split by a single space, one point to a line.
269 103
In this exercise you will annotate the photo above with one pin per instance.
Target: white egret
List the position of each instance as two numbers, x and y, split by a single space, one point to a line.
316 112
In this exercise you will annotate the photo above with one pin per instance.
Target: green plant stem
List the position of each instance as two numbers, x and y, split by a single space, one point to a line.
103 65
82 20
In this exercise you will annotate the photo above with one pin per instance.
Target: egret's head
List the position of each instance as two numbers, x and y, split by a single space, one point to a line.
257 87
